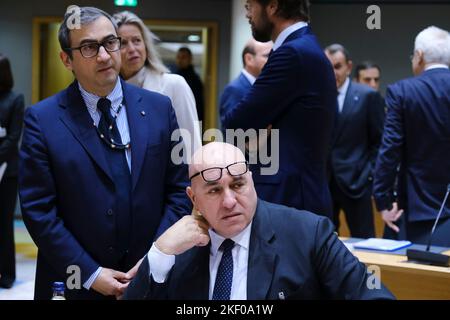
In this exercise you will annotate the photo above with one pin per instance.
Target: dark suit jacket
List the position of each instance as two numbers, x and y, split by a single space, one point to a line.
232 94
416 136
356 139
296 93
194 81
67 191
11 118
291 251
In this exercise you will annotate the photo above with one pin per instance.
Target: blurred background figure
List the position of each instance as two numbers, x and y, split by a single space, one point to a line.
368 73
417 137
142 66
354 148
11 122
254 57
186 69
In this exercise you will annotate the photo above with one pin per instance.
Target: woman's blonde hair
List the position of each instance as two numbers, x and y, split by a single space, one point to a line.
153 60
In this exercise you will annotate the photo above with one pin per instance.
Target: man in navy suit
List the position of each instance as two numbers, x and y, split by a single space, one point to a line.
96 178
417 137
354 150
236 247
254 57
296 95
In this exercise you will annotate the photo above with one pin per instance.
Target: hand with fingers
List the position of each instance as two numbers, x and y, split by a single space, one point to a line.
391 216
111 282
186 233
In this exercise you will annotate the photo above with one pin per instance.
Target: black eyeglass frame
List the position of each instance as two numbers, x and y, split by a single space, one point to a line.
98 44
221 171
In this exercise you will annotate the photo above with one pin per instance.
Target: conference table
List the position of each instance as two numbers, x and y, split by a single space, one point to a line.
408 280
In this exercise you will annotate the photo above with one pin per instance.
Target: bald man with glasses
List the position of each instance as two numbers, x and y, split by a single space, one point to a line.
237 247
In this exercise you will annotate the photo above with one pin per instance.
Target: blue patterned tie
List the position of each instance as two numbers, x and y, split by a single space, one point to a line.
224 279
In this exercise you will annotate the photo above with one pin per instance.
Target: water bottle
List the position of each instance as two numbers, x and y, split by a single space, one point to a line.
58 291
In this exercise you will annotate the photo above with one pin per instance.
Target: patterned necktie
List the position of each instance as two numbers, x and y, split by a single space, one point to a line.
224 278
107 125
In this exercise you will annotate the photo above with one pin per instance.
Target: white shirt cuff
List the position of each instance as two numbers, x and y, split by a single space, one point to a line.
159 263
87 285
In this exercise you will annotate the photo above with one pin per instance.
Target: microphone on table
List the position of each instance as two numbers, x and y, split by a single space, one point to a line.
426 256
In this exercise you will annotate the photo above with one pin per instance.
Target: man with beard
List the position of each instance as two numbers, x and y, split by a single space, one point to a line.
295 94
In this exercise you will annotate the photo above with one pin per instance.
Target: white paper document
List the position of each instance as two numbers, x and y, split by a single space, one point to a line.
381 244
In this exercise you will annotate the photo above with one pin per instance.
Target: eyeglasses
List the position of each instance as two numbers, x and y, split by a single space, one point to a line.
215 173
91 49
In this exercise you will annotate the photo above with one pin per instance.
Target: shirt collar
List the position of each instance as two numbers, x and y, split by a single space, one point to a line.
343 89
436 65
287 32
242 239
249 76
115 96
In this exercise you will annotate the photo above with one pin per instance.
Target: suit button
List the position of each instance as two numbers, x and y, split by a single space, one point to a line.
370 178
111 249
110 212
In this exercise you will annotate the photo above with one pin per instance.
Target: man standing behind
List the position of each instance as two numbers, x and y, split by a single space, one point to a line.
368 73
356 140
296 94
96 178
254 57
186 69
417 136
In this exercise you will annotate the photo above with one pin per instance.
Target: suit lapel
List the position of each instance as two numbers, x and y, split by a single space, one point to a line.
138 129
77 119
261 262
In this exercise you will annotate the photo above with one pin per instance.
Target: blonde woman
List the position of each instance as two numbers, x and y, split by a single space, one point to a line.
142 66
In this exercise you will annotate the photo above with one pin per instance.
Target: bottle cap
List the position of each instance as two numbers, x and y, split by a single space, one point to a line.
58 286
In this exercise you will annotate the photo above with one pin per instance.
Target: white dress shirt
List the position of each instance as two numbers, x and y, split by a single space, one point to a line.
436 66
287 32
116 98
342 93
160 263
248 76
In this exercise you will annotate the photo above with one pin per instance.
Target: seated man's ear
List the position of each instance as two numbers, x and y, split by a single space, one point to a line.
66 60
191 195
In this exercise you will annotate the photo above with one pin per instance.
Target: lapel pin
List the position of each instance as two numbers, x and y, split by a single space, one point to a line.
281 295
143 113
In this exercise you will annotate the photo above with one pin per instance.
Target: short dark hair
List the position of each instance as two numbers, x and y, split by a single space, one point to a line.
364 66
291 9
336 47
186 50
249 48
87 15
6 77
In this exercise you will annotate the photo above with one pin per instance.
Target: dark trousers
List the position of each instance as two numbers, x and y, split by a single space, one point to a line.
358 212
419 232
8 196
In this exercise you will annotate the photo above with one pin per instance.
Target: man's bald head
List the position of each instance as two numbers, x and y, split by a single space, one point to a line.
255 55
214 154
228 201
